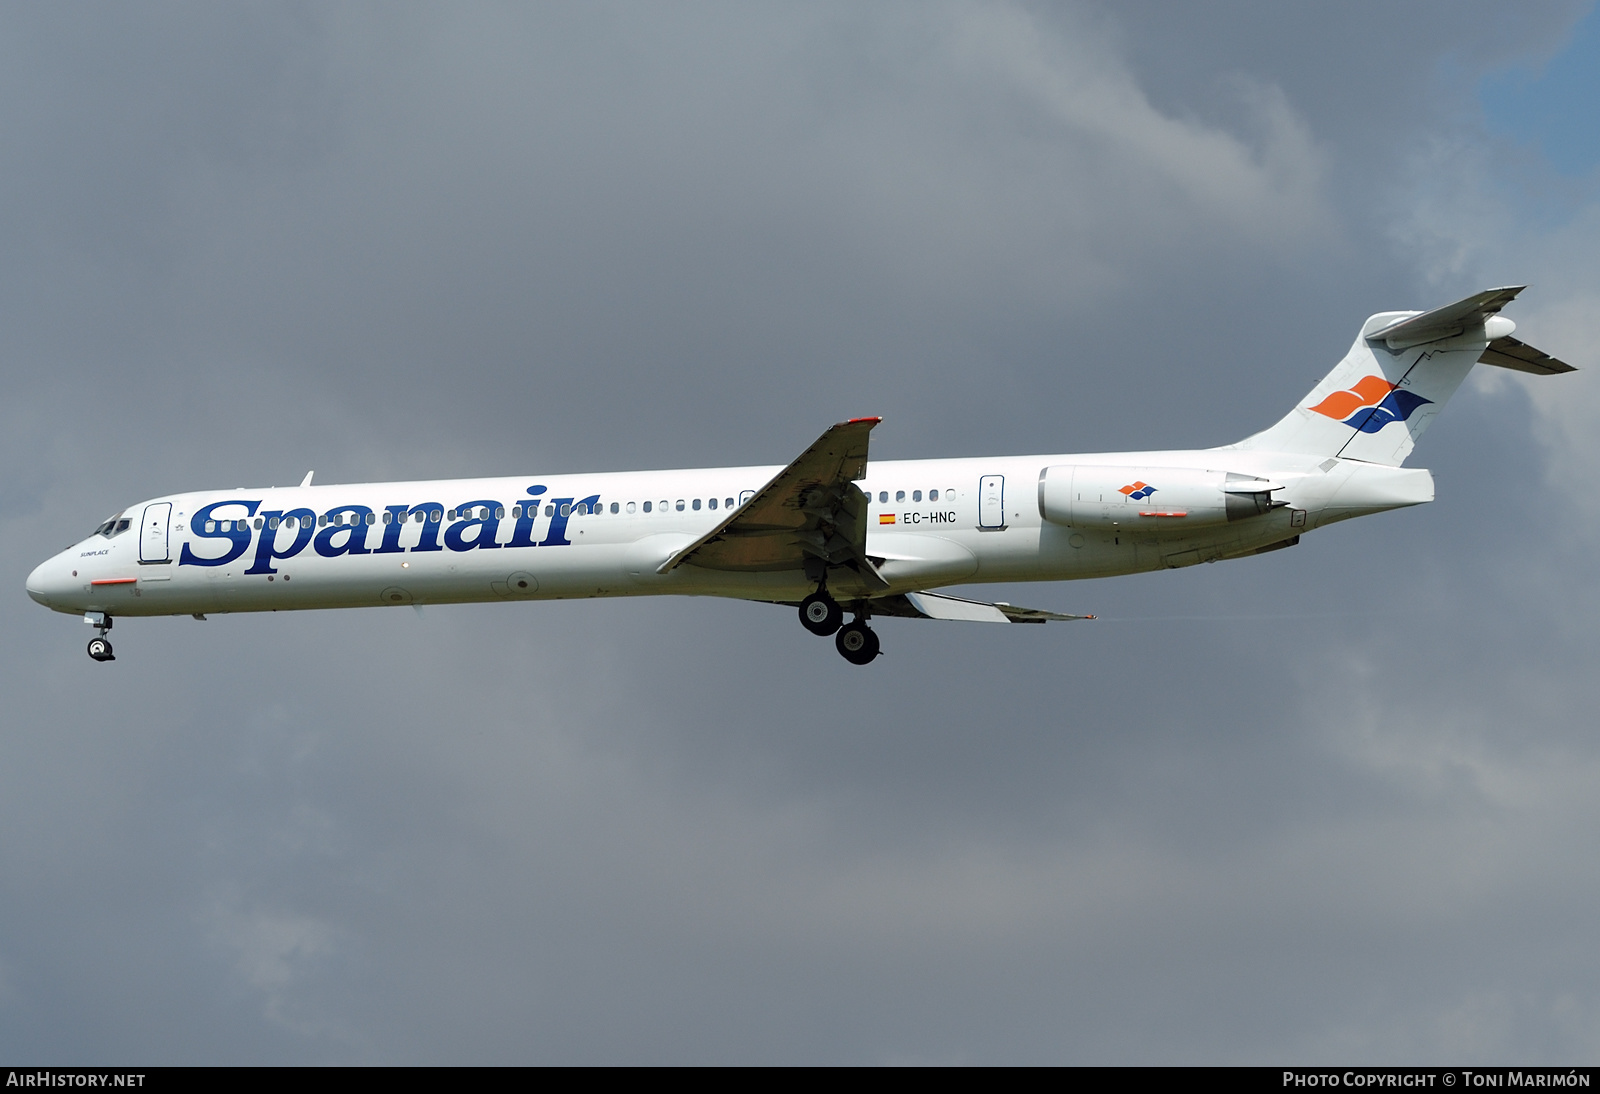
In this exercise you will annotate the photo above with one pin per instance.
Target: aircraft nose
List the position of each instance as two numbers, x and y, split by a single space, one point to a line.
43 581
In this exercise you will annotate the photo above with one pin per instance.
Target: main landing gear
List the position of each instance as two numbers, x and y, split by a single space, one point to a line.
856 642
99 648
820 613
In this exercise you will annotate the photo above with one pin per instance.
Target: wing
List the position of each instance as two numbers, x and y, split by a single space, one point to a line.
810 515
944 606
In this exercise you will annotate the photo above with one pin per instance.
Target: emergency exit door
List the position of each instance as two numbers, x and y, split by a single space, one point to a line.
992 501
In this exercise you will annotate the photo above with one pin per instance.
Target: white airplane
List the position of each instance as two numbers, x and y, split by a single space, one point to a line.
830 531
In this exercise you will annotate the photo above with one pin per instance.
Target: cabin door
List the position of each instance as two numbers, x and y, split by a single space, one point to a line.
153 533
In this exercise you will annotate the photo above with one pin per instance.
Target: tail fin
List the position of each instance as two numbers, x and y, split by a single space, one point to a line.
1402 369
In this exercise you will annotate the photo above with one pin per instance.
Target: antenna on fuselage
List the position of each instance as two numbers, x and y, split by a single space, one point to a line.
307 480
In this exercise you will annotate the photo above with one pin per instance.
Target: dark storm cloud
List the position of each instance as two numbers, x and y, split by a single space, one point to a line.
1330 803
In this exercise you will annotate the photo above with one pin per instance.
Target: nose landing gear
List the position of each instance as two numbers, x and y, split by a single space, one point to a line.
99 648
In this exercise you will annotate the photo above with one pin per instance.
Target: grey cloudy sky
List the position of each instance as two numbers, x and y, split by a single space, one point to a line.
1333 804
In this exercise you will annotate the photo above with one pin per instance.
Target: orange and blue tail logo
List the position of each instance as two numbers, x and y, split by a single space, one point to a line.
1370 405
1137 491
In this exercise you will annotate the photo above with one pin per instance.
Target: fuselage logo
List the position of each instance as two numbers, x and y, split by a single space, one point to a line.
1137 490
1370 405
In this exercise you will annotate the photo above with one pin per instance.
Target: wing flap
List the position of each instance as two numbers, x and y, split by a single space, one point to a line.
945 606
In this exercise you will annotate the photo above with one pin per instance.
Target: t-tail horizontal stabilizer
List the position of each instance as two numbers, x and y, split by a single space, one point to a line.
944 606
1397 376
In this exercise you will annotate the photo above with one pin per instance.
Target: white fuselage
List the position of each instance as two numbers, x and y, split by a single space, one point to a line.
589 535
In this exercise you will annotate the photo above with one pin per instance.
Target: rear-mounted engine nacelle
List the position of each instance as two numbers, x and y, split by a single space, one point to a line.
1150 497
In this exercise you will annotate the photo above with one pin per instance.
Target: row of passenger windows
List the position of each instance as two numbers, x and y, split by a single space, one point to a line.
113 526
480 513
916 495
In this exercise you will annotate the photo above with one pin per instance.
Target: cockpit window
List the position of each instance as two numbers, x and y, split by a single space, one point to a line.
114 527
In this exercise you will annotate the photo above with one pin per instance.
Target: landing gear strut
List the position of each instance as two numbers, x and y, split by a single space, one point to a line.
820 613
99 648
856 642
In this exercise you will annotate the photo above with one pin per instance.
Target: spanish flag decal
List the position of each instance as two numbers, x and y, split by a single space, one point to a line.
885 518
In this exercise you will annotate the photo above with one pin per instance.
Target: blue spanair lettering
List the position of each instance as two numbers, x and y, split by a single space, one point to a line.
488 528
522 534
267 543
355 541
428 538
558 523
392 530
239 537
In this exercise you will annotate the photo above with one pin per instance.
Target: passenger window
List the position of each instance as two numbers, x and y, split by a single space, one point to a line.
614 507
322 521
211 526
664 506
680 505
916 495
729 503
646 506
696 505
899 495
933 495
566 510
499 511
712 503
273 523
883 497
